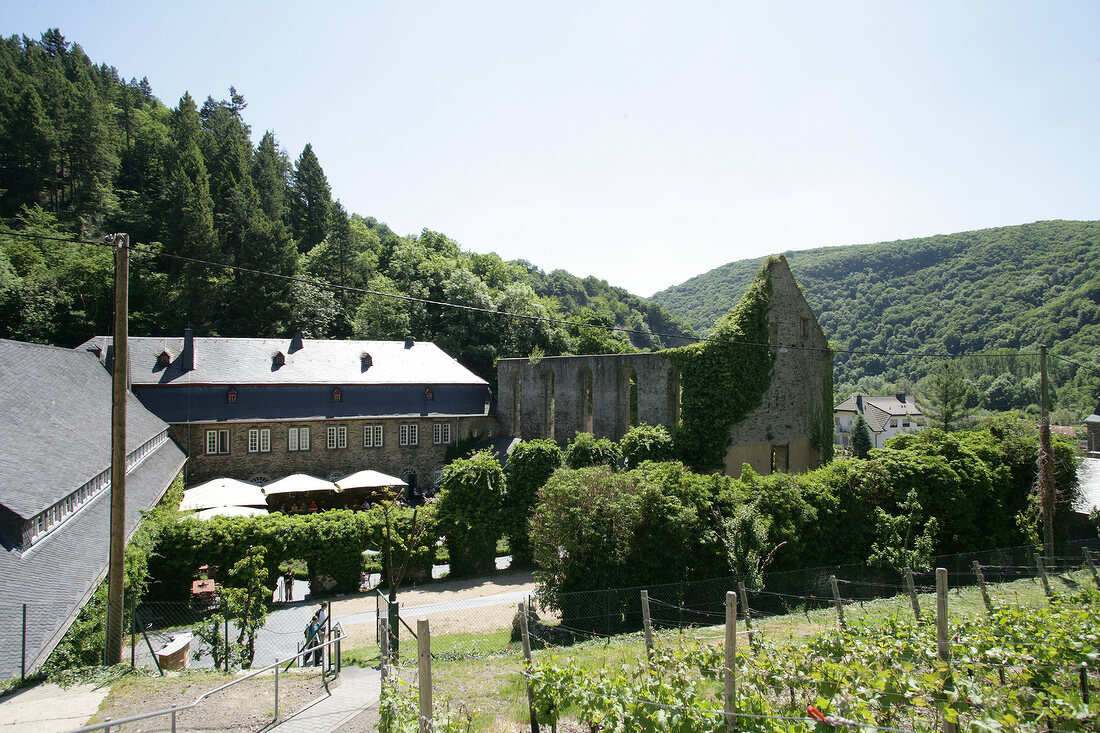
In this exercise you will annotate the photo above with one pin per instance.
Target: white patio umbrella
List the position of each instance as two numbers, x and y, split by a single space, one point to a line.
368 480
229 511
223 492
298 482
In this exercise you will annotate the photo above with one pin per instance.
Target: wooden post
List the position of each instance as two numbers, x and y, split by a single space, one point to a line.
1042 574
384 662
1092 567
424 673
1083 673
912 593
731 659
647 624
837 601
527 666
943 645
1046 457
745 605
112 653
395 629
276 689
981 584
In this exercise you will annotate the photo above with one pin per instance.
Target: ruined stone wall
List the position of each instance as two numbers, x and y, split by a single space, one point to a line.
560 395
557 396
782 425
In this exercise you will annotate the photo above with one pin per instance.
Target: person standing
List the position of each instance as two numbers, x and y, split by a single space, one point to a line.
313 651
288 586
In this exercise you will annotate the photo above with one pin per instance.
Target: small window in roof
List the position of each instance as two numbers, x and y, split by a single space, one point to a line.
337 395
278 359
366 361
231 395
163 359
428 394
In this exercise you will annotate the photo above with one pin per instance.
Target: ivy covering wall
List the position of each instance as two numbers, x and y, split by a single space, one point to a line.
725 378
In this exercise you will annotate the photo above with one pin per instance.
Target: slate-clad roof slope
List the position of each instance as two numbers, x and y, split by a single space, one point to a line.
889 404
59 572
240 361
55 405
1094 418
180 404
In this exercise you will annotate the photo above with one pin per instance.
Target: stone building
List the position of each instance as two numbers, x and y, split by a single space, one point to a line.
607 395
1092 427
261 409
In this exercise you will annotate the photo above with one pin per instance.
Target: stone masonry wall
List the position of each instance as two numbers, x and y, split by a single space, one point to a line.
560 395
423 459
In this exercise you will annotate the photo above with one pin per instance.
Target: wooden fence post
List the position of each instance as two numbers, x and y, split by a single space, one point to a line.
911 586
731 659
837 601
981 584
276 689
943 645
745 605
385 650
424 673
647 624
1092 566
527 666
1042 574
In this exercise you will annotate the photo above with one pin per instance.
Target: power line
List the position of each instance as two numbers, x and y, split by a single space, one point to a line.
542 319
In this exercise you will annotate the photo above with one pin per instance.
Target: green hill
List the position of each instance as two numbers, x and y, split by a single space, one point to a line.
1009 288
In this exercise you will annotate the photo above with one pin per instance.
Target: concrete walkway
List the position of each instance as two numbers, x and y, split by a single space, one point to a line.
359 689
48 708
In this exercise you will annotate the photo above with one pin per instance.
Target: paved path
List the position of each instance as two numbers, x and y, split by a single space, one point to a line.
427 609
48 708
358 690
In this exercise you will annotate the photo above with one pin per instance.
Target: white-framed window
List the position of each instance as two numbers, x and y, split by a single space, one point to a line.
372 436
408 434
337 437
217 442
441 433
259 440
297 439
893 422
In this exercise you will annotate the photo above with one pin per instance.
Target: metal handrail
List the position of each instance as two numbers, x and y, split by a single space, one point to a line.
108 724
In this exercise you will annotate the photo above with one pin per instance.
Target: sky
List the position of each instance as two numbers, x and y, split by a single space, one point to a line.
644 142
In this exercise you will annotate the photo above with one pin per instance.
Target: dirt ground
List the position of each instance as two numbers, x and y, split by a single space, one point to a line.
248 706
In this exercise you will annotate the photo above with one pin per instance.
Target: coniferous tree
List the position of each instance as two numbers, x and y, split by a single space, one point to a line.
861 437
310 200
943 396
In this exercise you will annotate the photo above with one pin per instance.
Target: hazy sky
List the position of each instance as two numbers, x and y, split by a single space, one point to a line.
644 142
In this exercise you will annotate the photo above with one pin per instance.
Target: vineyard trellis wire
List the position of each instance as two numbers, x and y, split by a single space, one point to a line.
645 700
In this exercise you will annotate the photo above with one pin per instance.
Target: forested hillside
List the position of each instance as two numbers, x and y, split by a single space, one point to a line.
1007 289
84 153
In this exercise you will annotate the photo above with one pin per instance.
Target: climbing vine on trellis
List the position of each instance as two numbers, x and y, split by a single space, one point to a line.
722 381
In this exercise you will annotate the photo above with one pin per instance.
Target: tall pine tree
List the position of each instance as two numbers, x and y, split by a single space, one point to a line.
311 200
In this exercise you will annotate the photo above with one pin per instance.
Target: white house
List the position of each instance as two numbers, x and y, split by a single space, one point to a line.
886 416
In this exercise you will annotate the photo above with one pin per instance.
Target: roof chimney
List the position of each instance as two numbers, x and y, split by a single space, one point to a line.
901 397
296 342
859 402
187 358
109 359
409 342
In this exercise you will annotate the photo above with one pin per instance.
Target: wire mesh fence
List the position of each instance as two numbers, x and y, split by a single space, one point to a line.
177 634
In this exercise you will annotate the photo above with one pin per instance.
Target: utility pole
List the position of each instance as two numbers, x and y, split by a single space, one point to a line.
1046 458
112 653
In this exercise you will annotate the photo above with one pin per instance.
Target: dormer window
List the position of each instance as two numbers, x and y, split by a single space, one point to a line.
163 359
366 361
278 359
337 395
231 396
428 394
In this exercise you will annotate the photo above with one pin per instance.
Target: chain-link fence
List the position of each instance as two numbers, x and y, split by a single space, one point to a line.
176 634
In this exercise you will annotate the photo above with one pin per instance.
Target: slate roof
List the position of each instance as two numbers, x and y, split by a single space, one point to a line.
59 402
1094 418
248 361
56 407
878 409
